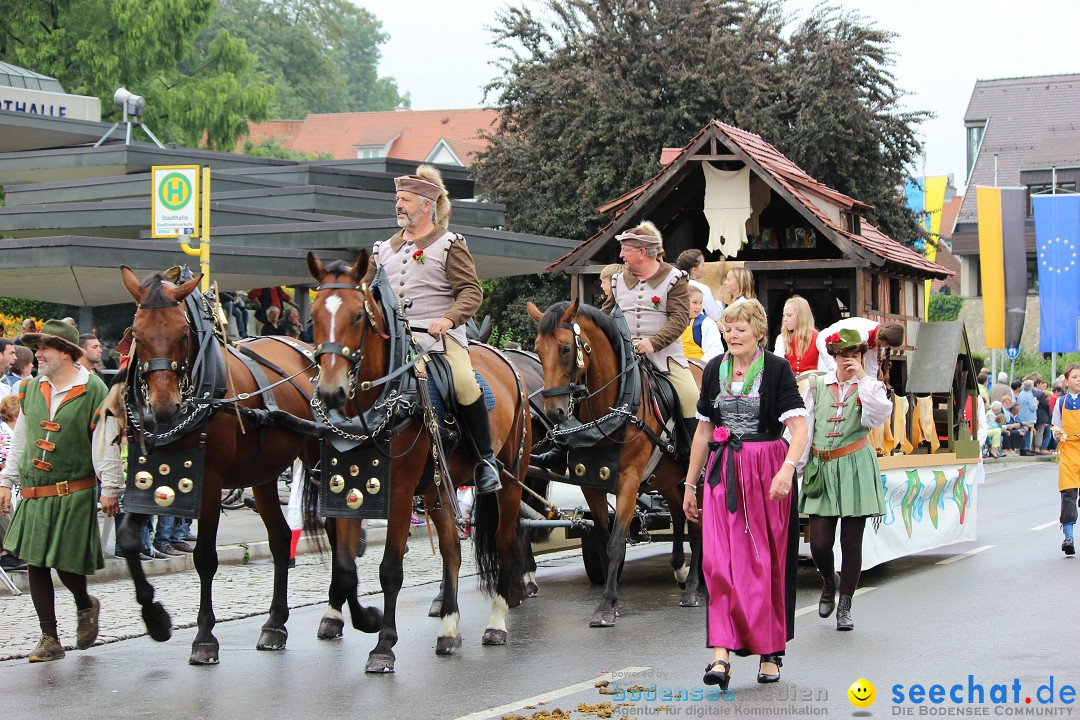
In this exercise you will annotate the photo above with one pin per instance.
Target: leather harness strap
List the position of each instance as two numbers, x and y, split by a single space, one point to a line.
59 489
827 455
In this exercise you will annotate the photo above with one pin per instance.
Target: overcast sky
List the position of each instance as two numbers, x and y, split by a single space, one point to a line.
440 53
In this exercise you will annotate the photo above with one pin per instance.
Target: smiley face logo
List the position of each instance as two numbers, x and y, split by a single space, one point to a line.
862 693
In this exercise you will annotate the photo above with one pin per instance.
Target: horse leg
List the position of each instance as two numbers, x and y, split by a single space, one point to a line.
684 572
449 637
205 647
690 596
364 619
274 635
509 587
529 560
625 500
381 659
436 604
158 622
332 624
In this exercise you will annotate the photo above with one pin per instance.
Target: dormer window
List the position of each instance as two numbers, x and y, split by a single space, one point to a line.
851 222
975 132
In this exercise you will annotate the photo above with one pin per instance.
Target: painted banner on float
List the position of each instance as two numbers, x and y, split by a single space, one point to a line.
925 508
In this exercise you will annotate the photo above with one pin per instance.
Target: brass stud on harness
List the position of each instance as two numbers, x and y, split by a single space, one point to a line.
605 472
143 480
164 496
185 485
142 459
333 462
373 485
579 470
354 499
337 483
187 463
375 462
164 469
354 470
173 365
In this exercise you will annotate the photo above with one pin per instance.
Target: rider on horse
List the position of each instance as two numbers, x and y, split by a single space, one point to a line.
655 301
433 269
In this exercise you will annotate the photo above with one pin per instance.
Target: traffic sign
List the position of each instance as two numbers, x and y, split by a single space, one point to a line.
1013 352
175 201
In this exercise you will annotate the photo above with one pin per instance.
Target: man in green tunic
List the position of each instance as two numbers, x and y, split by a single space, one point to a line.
58 452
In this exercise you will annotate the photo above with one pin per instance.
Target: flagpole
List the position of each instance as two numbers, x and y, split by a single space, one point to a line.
1053 355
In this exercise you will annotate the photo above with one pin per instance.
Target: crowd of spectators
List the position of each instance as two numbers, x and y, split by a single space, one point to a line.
1019 413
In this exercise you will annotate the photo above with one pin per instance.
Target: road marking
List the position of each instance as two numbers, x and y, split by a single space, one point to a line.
548 696
969 553
1052 523
813 608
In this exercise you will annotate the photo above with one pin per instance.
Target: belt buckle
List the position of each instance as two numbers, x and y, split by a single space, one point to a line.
63 488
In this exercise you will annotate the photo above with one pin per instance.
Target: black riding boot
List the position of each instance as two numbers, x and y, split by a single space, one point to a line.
554 459
843 614
690 427
475 419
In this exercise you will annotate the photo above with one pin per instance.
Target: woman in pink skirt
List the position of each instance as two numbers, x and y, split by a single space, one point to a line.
749 526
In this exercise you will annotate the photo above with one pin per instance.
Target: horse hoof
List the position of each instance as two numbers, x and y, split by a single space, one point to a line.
368 620
272 639
531 590
603 618
689 600
436 608
379 664
158 622
331 628
447 645
204 654
494 637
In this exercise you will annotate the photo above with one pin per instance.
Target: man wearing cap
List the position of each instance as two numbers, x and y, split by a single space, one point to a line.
655 301
57 453
432 267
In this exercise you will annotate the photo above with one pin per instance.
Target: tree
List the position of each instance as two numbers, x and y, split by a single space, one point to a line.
95 46
320 55
588 98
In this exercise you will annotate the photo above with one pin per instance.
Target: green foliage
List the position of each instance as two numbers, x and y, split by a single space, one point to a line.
504 301
945 308
320 55
1035 363
589 93
194 91
274 149
16 307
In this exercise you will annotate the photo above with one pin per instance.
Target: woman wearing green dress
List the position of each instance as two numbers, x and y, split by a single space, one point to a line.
842 482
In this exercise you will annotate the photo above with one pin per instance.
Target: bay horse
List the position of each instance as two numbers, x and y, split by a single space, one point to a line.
245 447
347 314
594 352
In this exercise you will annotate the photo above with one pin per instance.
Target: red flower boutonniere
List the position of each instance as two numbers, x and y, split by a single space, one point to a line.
656 302
418 256
871 340
858 403
833 339
721 434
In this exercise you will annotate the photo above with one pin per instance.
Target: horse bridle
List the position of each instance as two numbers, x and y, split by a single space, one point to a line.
353 356
166 364
573 389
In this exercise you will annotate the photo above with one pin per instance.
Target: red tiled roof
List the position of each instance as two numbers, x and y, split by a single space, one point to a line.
948 216
281 131
417 132
790 177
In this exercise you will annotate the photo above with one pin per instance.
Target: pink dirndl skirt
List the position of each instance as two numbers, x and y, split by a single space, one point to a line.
744 553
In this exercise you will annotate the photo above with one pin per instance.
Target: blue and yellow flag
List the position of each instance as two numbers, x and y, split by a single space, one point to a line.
1057 241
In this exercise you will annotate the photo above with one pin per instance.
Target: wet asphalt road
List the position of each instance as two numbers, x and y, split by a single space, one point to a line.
1008 612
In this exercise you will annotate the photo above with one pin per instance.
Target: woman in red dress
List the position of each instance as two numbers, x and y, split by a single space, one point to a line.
797 341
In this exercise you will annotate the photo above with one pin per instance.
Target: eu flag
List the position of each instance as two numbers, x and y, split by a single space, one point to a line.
1057 239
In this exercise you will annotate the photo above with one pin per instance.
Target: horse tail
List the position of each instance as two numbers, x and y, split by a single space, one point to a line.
485 524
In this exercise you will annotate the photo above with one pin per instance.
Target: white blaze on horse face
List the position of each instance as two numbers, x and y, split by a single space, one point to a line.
332 304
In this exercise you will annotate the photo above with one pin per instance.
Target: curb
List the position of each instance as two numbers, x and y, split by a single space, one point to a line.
234 554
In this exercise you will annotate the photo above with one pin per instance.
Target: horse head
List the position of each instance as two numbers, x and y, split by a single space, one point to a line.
348 329
163 340
566 334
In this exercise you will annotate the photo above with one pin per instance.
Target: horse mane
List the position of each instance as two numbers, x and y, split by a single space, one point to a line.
337 267
549 322
155 285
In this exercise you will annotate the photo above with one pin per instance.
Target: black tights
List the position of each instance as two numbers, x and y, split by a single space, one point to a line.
822 537
41 592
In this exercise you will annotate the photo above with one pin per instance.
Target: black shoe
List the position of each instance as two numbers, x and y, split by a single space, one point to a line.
827 603
11 563
843 614
1067 547
182 547
717 677
475 419
167 550
553 459
769 677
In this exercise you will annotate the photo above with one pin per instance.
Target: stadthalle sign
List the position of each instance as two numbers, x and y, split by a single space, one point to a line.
39 102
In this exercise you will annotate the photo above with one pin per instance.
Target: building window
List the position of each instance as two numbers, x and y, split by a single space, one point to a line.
875 292
1044 189
974 139
894 296
365 153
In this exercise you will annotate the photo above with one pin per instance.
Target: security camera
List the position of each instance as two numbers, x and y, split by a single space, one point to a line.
133 104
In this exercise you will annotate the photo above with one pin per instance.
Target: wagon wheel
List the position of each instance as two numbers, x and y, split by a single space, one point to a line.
595 557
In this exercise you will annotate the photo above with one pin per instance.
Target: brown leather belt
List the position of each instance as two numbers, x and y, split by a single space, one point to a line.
827 455
60 488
